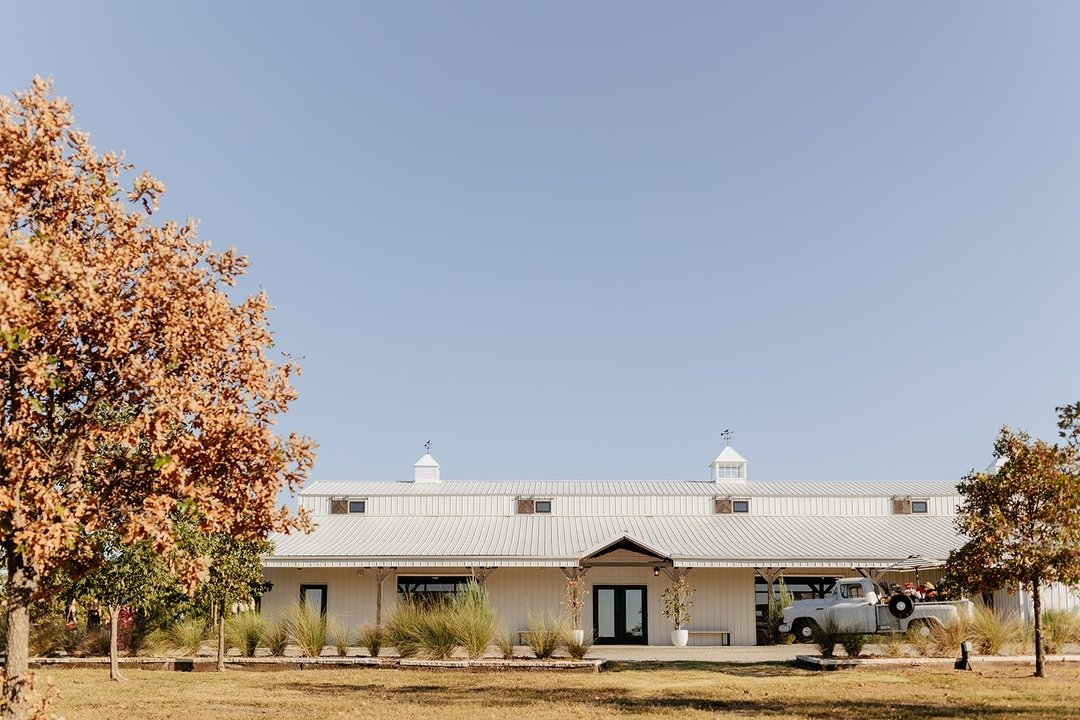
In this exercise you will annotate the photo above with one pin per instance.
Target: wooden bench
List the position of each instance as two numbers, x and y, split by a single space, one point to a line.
725 635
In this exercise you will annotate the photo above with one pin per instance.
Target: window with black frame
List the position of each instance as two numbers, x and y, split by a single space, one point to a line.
429 589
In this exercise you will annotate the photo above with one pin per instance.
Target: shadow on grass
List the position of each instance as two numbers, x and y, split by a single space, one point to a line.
769 669
474 699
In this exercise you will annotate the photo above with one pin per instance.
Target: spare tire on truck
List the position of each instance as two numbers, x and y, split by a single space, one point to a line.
901 606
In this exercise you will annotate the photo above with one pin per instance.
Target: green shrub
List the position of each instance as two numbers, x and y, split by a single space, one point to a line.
473 619
244 631
504 642
1059 628
545 634
276 637
371 638
308 628
826 635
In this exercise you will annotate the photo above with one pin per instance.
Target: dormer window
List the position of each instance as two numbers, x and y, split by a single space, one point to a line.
729 505
533 506
348 506
907 505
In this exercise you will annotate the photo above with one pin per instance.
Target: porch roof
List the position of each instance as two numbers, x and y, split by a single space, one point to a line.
539 541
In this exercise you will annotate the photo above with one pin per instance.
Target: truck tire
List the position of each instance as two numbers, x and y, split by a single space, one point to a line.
901 606
803 630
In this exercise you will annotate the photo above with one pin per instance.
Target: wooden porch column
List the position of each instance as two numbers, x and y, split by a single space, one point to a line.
770 575
380 576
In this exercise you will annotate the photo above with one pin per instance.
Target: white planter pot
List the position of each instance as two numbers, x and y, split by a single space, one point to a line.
578 636
679 637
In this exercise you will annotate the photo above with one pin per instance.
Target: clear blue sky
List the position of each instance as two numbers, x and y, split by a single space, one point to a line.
578 240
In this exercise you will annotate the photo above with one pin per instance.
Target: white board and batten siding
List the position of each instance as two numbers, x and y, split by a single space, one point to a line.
442 528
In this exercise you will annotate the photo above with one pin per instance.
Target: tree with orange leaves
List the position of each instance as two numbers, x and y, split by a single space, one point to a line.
1022 522
136 396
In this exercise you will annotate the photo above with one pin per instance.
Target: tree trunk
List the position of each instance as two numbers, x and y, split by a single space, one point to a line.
221 639
114 651
17 677
1036 601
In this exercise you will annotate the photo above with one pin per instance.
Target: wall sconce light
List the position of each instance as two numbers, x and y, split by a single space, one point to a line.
656 572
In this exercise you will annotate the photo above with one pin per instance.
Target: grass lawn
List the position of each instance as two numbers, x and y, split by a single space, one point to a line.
683 690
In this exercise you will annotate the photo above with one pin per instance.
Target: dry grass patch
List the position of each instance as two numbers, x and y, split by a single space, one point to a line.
684 690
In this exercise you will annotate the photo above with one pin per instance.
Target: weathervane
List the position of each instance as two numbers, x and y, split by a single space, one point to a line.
427 446
727 436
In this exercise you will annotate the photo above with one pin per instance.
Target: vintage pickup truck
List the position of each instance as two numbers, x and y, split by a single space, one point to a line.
856 606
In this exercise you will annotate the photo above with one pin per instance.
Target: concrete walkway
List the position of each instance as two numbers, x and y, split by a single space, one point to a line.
709 653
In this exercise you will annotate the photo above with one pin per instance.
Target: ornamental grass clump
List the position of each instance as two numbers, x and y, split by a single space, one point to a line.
947 639
893 644
826 635
244 631
545 634
853 642
371 638
1059 628
188 635
473 619
307 628
276 637
578 650
504 643
340 638
404 628
438 636
992 634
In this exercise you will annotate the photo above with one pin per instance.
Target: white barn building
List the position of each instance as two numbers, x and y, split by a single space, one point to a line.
376 542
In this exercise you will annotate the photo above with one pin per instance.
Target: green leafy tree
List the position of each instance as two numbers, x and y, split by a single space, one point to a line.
234 575
1022 522
129 576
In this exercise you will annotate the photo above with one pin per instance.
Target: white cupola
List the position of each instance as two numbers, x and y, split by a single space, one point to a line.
729 466
426 470
993 467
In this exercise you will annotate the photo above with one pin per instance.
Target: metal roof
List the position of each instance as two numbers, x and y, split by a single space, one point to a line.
625 487
702 541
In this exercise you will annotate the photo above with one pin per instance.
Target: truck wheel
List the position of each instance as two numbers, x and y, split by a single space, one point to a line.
803 630
921 627
901 606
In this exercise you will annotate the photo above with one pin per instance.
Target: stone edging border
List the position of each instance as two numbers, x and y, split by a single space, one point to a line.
816 662
264 664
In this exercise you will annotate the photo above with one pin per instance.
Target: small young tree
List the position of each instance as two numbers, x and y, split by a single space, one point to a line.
129 576
235 575
101 308
677 601
1022 522
574 593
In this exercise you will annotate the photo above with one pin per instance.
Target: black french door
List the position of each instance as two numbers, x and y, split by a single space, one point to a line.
620 615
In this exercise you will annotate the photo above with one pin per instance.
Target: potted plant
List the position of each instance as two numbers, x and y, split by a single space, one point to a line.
677 601
573 601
